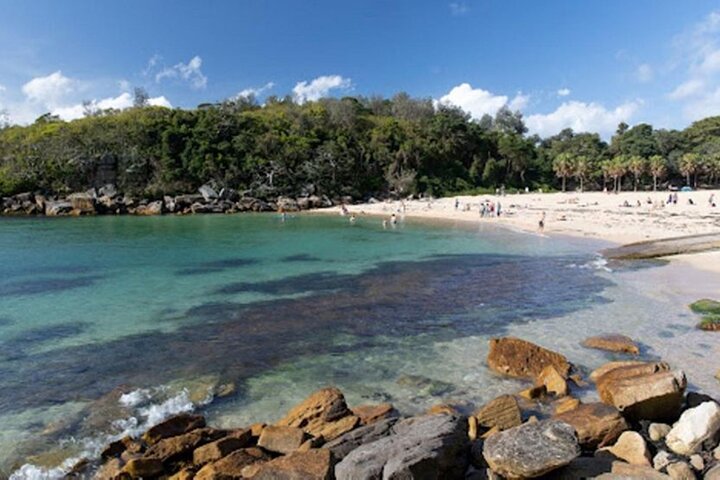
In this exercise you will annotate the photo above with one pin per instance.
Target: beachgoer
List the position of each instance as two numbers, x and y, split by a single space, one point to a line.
352 218
343 210
384 224
711 200
541 223
497 209
393 220
457 203
690 201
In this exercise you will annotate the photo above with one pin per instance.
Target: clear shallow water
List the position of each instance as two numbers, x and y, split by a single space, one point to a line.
167 308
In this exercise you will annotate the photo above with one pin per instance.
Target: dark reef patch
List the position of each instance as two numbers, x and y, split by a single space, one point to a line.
302 257
216 266
442 298
45 285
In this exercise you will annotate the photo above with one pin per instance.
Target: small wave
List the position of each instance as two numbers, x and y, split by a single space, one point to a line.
599 263
150 407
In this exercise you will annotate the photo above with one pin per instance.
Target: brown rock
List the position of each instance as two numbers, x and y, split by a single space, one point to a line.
143 468
533 393
256 429
281 439
472 428
519 358
332 430
680 471
217 449
243 434
184 474
593 422
231 466
577 379
552 379
630 447
109 470
646 396
310 465
324 406
607 367
502 412
624 470
443 409
490 433
176 425
566 404
180 447
613 343
372 413
116 448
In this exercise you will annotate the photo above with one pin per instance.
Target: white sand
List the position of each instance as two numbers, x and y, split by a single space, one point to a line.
590 214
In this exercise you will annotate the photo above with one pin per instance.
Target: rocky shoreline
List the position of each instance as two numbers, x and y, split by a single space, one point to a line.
646 425
108 200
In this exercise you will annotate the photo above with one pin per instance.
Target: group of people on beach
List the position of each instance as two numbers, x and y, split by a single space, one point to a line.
486 208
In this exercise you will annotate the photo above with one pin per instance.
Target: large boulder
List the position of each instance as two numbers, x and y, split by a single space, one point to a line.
208 192
595 423
152 208
522 359
612 343
644 392
281 439
694 427
310 465
429 447
345 444
173 426
318 412
553 381
532 449
231 466
58 208
83 202
502 413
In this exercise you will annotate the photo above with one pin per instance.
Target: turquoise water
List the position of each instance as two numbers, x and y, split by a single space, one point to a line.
109 323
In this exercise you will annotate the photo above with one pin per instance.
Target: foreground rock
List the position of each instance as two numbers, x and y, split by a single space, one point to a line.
501 413
431 446
322 414
532 449
595 424
522 359
631 448
694 427
647 391
310 465
613 343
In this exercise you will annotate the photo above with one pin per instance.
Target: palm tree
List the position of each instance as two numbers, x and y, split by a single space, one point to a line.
563 167
688 165
637 165
658 169
618 168
582 169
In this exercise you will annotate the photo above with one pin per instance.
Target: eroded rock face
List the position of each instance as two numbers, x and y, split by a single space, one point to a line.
694 427
317 411
595 423
613 343
502 412
522 359
431 446
532 449
311 465
176 425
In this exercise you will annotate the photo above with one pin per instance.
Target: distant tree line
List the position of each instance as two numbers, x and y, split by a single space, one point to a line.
353 146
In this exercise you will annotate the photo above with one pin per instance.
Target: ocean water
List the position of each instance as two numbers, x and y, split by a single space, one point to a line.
109 324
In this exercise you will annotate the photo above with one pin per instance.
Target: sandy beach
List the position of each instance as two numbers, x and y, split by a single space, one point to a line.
589 214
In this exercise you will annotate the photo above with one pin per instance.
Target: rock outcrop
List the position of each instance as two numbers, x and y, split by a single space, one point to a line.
522 359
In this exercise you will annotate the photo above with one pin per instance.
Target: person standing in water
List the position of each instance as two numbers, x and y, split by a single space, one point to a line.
352 218
541 223
393 220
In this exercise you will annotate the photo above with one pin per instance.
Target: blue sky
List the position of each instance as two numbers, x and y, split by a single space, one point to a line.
586 65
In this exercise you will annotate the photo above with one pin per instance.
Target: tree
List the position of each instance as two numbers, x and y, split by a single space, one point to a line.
140 97
616 168
581 169
509 122
637 166
688 165
563 166
658 169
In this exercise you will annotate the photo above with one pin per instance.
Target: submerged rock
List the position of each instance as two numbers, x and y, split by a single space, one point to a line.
613 343
519 358
532 449
431 446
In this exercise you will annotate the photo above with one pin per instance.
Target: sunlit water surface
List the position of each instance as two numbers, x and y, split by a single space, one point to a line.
109 324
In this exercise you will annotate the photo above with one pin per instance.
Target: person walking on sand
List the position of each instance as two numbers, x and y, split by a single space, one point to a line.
541 223
457 203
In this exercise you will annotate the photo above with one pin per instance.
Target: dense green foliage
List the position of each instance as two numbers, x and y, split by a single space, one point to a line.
337 147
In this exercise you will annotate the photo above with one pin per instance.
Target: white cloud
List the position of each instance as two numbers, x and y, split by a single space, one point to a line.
2 88
699 54
581 117
255 92
644 73
478 102
50 90
121 102
458 8
563 92
190 72
319 87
